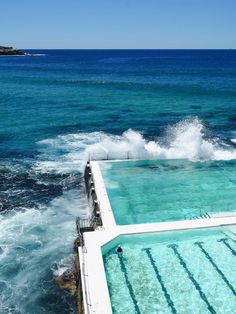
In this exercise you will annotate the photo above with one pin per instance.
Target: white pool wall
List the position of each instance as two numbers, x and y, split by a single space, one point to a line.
95 289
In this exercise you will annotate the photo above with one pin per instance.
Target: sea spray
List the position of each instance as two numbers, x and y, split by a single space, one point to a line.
63 97
187 139
36 240
37 243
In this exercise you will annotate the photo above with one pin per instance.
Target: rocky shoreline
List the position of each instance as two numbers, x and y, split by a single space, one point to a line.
10 51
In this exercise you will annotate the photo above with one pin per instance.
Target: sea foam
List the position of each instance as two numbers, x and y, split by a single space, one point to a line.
184 140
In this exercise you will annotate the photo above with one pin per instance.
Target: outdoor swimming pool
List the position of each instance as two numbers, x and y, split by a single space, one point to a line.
148 191
173 272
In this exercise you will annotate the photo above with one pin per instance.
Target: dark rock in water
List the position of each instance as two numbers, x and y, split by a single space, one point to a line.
67 281
24 188
10 51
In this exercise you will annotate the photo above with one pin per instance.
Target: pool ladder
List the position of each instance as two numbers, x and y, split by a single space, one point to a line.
201 216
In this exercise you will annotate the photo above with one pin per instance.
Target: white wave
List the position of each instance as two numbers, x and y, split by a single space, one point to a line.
4 251
37 54
187 139
233 140
33 242
65 264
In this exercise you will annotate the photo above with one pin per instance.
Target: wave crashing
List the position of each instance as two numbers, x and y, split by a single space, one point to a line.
185 140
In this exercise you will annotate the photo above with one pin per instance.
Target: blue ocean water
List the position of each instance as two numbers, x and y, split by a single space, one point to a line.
59 106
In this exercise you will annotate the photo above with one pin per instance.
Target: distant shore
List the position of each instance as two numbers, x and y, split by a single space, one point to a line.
10 51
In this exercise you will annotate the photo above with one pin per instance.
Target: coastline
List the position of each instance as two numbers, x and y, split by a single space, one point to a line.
10 51
24 55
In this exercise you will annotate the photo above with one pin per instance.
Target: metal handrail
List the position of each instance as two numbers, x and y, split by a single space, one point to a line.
112 155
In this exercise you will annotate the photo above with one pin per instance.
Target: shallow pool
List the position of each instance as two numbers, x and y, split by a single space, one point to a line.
169 190
173 272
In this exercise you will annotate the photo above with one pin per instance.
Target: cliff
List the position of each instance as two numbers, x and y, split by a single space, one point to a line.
10 51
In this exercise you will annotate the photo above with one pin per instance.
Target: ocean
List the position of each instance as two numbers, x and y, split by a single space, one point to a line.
60 107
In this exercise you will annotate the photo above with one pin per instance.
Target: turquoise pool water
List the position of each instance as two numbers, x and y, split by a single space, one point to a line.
173 272
169 190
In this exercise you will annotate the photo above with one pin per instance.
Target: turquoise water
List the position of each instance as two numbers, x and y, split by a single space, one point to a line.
59 106
173 272
169 190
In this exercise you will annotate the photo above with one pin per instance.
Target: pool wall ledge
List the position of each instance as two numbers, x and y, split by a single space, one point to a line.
106 210
95 289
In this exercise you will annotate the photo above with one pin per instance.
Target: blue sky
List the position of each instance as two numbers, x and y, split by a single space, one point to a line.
118 23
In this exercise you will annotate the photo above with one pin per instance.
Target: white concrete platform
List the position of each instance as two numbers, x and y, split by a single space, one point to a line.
95 289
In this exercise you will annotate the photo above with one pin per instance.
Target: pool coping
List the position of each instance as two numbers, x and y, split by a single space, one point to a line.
95 289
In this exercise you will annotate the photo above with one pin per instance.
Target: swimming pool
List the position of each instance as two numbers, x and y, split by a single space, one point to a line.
173 272
148 191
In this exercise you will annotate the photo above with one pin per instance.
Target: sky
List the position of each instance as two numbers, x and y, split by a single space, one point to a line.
112 24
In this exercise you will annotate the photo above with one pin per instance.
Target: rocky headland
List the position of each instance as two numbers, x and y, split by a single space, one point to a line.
10 51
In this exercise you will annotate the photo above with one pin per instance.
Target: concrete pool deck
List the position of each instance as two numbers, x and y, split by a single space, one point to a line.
95 290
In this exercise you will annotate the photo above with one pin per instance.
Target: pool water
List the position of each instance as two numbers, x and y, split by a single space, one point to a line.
173 272
148 191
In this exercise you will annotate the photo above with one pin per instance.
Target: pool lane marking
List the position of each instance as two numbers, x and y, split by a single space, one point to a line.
210 259
191 277
159 278
109 282
224 240
131 290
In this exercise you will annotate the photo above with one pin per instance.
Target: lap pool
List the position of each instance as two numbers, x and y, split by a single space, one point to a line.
169 190
173 272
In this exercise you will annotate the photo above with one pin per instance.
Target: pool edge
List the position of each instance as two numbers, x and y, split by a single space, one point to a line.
95 289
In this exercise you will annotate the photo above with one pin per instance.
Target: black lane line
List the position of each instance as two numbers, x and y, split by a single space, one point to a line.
191 277
159 278
199 244
109 283
227 245
131 290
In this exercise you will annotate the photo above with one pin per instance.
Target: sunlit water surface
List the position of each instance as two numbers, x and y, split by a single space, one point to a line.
60 106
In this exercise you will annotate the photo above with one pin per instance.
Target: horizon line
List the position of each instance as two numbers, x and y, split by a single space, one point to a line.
128 48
